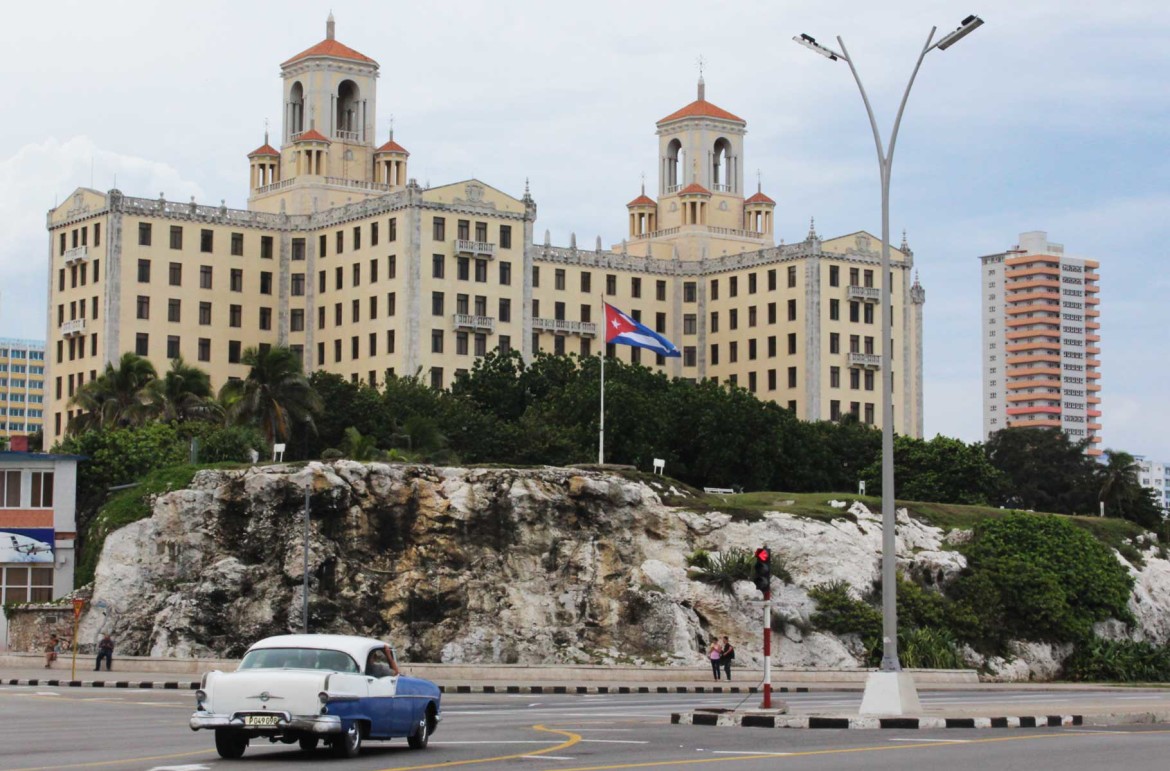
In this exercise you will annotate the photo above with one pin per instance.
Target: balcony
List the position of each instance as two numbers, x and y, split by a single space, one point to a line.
469 248
73 327
475 323
76 254
869 294
565 327
722 188
865 360
347 136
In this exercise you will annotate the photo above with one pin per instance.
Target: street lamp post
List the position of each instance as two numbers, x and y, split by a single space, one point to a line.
889 691
305 585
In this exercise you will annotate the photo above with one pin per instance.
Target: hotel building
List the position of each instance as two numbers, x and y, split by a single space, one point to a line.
344 257
22 386
1041 340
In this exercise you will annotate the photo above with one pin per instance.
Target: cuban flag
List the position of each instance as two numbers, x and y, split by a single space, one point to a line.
623 330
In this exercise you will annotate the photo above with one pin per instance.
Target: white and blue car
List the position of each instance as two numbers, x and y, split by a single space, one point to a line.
314 688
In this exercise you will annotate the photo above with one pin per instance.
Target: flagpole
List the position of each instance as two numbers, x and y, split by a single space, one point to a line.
601 429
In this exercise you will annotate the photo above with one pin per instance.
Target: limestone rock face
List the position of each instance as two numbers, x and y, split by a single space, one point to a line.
548 565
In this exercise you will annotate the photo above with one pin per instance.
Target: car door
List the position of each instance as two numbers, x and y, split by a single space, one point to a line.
383 706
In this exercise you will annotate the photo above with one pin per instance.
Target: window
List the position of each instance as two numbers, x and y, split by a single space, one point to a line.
437 378
235 315
834 377
690 323
714 354
751 316
586 281
733 351
172 346
357 237
143 307
792 377
535 275
296 321
868 378
390 303
298 249
10 489
438 266
834 342
835 280
869 413
337 314
714 289
233 351
436 303
505 310
143 234
791 342
176 236
791 276
389 341
868 278
340 241
357 274
689 356
834 310
505 236
463 230
752 349
373 307
714 321
392 229
142 344
733 319
660 290
266 318
506 273
338 277
206 238
610 284
690 291
792 310
659 321
354 347
436 341
175 274
463 268
204 314
438 229
355 313
205 277
481 271
173 309
854 379
855 312
867 315
373 271
236 280
298 285
336 350
265 282
204 349
733 286
143 272
373 234
854 276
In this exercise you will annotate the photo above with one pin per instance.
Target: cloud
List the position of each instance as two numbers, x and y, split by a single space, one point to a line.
32 180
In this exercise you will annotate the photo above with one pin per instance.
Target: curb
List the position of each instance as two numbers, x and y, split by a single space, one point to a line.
749 720
539 689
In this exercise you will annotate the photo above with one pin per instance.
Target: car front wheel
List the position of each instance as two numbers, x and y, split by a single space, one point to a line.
422 732
230 744
349 744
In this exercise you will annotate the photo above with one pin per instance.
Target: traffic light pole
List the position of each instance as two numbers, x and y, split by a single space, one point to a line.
767 650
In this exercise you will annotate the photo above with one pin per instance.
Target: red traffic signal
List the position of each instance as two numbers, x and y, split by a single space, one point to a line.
763 569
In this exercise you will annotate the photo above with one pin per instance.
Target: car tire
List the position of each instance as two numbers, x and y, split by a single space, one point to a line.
230 744
422 731
308 743
349 744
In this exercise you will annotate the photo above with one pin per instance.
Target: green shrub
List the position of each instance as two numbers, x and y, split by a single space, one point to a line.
725 568
1119 661
1036 577
699 558
928 648
231 444
839 613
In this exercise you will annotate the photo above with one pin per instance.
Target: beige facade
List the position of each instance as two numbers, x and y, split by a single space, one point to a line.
22 386
344 257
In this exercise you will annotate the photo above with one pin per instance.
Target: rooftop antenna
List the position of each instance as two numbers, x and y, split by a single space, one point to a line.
759 182
643 183
702 87
391 127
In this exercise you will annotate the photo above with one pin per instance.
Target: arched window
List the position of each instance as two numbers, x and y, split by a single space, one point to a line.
673 158
348 118
296 108
721 171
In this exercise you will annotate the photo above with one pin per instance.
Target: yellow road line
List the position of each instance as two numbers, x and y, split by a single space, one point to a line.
843 751
573 739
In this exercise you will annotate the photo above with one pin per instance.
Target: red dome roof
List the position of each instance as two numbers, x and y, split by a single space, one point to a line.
392 147
312 135
694 187
701 108
264 149
642 200
759 197
331 48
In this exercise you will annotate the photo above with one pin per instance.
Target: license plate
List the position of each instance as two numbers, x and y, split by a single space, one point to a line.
261 720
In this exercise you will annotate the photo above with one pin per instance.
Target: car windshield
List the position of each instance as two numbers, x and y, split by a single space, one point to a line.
299 658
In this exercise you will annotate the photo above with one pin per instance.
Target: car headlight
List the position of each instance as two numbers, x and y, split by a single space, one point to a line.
200 698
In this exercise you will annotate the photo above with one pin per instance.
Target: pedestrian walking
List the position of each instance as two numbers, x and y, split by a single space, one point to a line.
51 650
105 651
715 653
728 656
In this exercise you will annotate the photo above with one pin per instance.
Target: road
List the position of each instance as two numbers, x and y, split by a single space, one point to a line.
67 728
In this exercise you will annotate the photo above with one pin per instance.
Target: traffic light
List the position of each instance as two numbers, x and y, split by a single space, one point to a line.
763 578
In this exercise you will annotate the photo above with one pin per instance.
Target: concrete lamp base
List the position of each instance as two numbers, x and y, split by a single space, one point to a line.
890 693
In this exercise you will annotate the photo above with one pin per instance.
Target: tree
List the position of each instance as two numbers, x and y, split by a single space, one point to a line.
183 393
943 470
275 395
116 398
1044 470
1121 491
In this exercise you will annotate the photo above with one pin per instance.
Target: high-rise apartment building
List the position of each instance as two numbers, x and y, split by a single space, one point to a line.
1155 476
22 386
1041 340
346 259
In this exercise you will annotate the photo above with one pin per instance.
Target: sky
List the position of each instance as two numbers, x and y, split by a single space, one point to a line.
1046 118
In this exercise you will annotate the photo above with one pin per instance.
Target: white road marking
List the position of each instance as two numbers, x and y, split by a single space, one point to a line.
615 741
46 693
747 752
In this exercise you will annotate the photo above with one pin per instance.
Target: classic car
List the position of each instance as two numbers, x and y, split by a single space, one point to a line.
314 688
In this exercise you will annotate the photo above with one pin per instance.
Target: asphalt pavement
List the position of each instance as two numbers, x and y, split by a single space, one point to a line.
64 728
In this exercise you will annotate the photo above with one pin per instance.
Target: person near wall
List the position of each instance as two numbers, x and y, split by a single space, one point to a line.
715 653
105 651
728 656
51 646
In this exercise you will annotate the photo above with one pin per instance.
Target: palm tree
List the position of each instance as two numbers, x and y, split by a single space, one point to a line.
1119 479
117 397
275 395
183 393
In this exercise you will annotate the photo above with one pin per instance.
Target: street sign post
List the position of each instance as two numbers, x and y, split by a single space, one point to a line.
78 606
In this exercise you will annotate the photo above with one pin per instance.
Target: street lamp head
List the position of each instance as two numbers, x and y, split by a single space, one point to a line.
812 44
969 25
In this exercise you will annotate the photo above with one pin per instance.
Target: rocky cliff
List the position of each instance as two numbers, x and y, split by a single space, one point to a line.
496 565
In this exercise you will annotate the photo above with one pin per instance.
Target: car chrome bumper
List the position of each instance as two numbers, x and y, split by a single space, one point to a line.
313 724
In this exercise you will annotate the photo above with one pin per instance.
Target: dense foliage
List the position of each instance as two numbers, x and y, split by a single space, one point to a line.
1120 661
